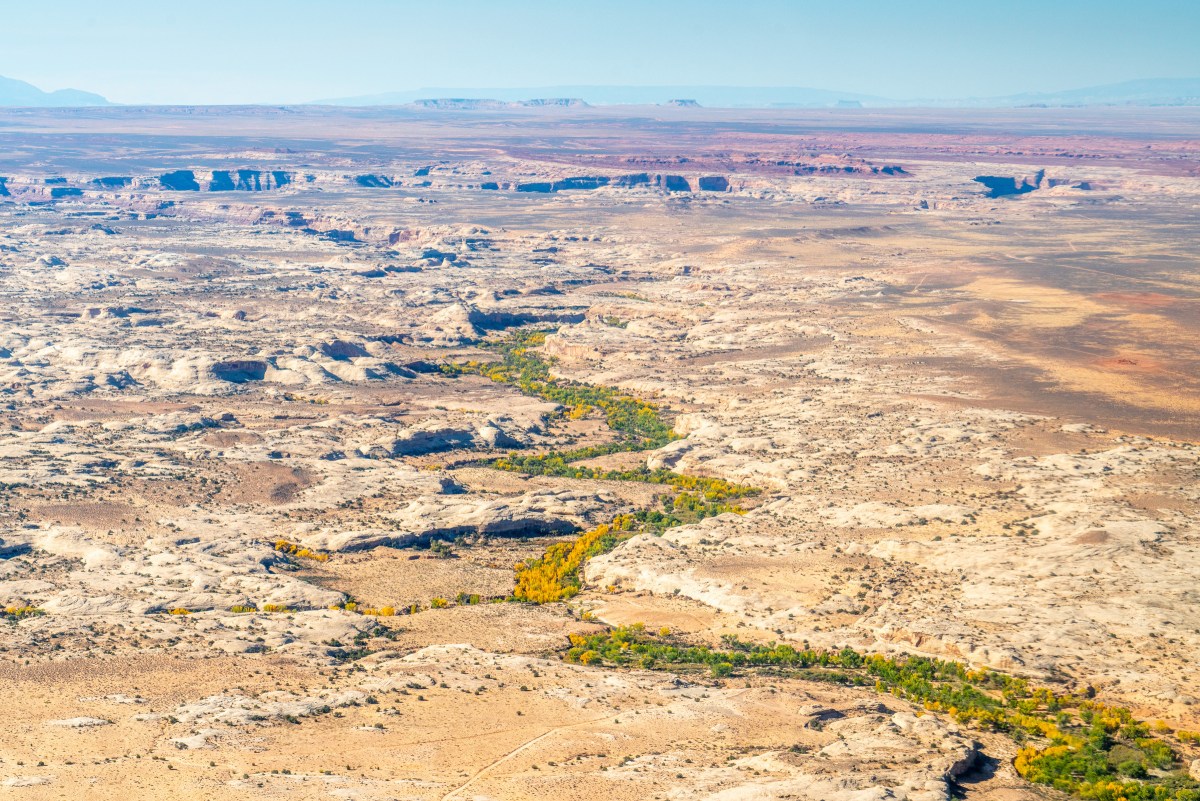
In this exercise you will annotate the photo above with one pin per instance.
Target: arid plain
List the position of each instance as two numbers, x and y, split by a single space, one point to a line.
247 372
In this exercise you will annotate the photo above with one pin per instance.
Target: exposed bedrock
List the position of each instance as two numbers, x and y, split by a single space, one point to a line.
240 371
375 181
342 350
112 181
536 513
436 439
460 323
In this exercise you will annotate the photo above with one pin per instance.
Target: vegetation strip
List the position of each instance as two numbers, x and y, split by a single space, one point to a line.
1069 741
639 425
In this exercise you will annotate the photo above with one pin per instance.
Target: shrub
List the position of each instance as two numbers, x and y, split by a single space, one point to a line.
291 548
15 613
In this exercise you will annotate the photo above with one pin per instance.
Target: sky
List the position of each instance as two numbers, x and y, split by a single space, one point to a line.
292 51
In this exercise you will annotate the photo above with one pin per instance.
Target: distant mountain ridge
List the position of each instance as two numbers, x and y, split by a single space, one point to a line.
20 93
1142 92
714 96
1145 92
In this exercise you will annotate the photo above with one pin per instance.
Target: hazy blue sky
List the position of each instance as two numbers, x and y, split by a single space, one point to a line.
236 51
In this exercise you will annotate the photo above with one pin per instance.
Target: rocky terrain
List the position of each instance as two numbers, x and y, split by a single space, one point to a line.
254 537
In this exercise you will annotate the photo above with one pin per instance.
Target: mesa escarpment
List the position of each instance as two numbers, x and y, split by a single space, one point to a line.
1001 186
287 463
33 188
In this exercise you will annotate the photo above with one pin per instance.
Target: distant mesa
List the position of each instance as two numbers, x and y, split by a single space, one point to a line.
1149 92
1141 92
563 102
20 93
487 104
1146 92
457 103
607 95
